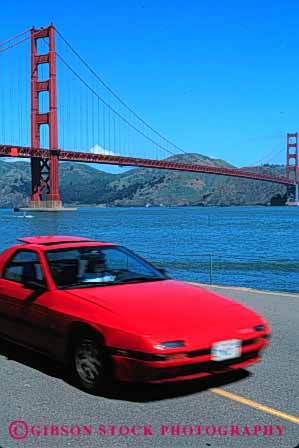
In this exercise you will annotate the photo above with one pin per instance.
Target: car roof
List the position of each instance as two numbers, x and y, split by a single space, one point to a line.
58 241
52 239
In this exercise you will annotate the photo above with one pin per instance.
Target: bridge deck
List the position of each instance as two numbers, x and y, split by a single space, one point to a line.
74 156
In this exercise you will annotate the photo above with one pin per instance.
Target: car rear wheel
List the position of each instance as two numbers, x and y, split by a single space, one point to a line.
91 367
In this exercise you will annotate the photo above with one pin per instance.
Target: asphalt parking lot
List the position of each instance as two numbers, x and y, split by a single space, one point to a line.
254 408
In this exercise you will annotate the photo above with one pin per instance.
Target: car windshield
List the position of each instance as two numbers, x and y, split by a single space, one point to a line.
89 266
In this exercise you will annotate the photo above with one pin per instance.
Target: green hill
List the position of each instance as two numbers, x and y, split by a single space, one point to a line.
81 184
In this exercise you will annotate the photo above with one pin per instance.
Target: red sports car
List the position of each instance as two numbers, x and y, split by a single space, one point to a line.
106 313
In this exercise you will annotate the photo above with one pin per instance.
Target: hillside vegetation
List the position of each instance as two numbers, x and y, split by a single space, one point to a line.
81 184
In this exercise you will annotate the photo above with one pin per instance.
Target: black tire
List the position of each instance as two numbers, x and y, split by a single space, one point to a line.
90 364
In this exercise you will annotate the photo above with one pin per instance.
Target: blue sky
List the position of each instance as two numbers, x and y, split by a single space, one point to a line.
218 78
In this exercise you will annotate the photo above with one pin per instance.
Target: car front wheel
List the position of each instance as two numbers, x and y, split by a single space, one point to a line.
90 365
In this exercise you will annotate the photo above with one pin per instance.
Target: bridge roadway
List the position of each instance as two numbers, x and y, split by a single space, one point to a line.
265 396
76 156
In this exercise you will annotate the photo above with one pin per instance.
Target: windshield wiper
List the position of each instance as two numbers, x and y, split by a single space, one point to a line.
140 280
87 285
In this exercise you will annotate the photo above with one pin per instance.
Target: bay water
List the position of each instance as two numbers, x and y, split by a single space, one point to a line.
256 247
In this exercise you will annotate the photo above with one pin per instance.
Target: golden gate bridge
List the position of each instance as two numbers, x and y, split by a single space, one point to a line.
113 132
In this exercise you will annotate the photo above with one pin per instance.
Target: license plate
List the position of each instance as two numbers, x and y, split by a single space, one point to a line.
226 350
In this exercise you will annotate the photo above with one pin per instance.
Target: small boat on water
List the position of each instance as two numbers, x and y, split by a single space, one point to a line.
25 216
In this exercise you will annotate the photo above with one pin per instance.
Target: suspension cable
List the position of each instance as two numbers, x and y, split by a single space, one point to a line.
5 42
2 50
109 106
14 44
269 156
116 95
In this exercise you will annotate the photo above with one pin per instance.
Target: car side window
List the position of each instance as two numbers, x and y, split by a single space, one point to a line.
116 259
24 266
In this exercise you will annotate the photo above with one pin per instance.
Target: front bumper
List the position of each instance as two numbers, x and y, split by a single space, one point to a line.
129 368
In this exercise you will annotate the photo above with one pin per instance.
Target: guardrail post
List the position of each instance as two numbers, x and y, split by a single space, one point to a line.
211 267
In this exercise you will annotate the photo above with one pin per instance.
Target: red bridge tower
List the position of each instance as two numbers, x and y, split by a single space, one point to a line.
293 168
45 171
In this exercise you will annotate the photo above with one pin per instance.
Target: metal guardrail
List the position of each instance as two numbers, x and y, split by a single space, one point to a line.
215 263
159 264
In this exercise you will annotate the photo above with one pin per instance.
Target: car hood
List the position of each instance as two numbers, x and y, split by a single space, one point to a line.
171 309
